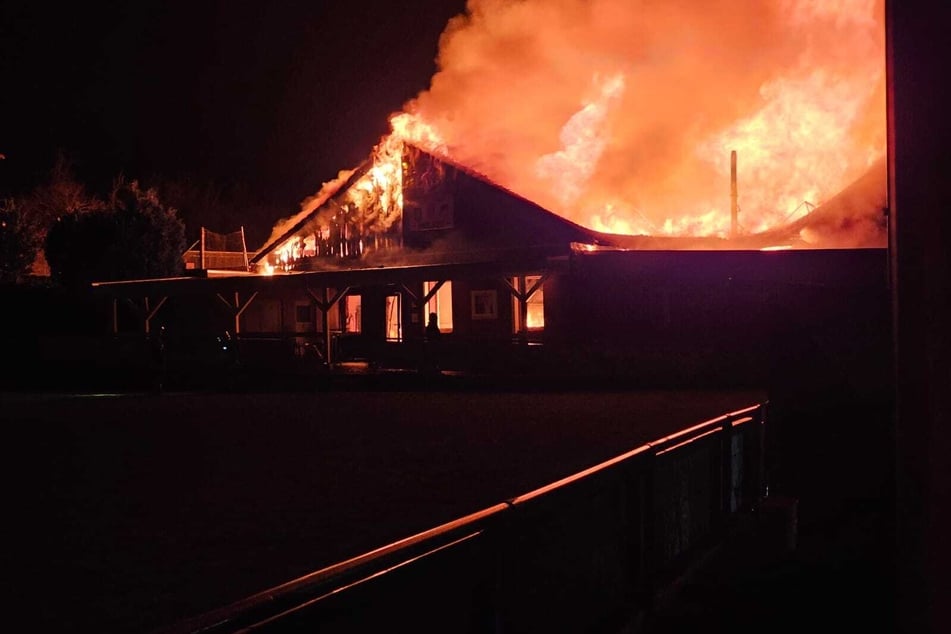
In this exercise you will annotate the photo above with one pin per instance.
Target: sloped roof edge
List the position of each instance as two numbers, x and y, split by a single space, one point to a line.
364 167
358 173
597 237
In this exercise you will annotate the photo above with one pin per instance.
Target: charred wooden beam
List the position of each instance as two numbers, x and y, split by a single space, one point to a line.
358 173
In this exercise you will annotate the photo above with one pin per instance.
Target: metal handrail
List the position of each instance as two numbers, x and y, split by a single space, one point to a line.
272 605
280 599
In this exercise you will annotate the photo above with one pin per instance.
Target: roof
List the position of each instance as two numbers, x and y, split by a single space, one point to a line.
235 281
335 191
524 215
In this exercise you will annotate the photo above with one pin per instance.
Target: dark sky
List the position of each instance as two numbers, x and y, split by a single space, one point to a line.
277 95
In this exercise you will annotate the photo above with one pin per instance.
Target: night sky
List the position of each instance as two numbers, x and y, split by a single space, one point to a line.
277 96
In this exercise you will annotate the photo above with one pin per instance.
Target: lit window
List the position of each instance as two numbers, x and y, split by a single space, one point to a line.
535 319
353 318
441 304
394 327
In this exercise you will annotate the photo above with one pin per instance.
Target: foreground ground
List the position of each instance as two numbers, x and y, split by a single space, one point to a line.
133 511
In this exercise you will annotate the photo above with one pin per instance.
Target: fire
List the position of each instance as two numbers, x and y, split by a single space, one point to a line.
373 204
621 115
409 127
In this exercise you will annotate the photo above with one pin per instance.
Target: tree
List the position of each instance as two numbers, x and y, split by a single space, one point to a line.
135 236
61 195
19 241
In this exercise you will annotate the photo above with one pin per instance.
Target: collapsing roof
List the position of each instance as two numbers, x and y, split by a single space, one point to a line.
409 207
405 206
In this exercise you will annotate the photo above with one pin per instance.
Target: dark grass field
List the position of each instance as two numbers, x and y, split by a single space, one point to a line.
125 513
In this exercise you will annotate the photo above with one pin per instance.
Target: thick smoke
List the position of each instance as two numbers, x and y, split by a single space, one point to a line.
621 114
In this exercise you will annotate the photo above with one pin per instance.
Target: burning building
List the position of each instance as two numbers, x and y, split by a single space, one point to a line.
355 275
635 193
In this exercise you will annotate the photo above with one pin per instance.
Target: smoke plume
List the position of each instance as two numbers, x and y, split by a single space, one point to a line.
621 114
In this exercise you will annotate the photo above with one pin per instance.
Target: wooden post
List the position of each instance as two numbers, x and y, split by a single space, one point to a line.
151 312
237 314
201 250
726 476
148 319
244 248
325 308
237 307
523 309
326 303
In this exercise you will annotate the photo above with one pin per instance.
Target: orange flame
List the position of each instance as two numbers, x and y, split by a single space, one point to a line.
622 115
374 202
796 87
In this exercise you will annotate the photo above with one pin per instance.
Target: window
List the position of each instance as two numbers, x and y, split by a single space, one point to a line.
433 215
535 320
485 305
441 304
352 316
534 317
394 325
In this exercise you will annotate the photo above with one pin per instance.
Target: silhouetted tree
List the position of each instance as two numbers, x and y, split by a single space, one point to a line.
19 241
59 196
136 236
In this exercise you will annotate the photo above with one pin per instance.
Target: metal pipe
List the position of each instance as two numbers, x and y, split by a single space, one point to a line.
734 209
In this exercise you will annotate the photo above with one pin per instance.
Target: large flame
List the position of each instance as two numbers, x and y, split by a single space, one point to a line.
369 206
621 115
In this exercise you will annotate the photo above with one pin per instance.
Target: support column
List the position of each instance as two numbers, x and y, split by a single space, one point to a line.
325 303
237 308
420 302
522 295
244 248
146 312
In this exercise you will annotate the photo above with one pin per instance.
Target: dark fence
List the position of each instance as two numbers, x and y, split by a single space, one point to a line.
585 554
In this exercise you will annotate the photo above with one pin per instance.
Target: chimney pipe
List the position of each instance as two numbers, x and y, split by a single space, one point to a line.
734 209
